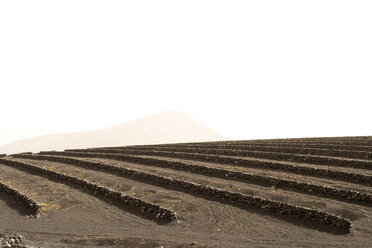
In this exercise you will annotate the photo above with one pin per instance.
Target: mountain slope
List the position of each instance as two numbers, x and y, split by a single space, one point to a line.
165 127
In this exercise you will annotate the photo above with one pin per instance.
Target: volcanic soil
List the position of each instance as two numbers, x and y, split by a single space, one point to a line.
313 192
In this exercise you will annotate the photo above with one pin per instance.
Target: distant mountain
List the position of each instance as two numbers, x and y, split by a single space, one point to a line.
166 127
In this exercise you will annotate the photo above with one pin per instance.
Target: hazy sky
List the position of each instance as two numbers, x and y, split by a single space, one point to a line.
249 69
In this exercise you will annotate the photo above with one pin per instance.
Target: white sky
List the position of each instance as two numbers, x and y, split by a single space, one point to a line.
249 69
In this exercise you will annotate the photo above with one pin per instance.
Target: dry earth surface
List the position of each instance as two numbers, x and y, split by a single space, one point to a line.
313 192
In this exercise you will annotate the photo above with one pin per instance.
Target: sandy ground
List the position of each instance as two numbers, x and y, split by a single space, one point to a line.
74 217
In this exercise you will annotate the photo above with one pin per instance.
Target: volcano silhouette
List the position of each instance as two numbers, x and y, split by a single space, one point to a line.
165 127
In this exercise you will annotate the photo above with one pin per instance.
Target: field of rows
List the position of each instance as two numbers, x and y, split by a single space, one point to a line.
250 193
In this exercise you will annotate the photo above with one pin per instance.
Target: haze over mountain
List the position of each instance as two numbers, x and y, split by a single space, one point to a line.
165 127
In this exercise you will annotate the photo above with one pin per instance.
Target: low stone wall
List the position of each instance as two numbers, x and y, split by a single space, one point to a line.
302 170
275 148
313 189
341 147
331 142
132 202
301 158
362 140
15 241
25 153
218 194
26 201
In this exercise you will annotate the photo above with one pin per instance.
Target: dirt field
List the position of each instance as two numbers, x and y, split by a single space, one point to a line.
255 193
